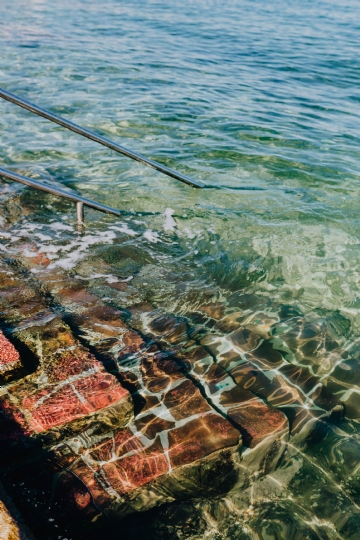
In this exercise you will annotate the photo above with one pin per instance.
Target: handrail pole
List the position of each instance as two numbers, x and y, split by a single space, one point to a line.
97 138
5 173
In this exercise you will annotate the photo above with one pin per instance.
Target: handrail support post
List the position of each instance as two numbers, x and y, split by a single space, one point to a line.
80 213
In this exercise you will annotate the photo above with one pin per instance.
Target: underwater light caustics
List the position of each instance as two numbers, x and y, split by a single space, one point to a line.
190 420
144 408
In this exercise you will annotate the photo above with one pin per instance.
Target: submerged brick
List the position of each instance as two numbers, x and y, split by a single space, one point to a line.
9 356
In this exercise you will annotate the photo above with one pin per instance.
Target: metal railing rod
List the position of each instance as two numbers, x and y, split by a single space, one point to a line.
97 138
80 201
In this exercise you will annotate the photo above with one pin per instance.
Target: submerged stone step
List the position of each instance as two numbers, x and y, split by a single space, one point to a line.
177 447
68 392
213 409
255 419
137 468
258 365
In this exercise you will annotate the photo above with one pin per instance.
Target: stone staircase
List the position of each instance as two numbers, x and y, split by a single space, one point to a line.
109 409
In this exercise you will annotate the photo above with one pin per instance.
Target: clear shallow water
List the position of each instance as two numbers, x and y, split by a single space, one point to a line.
260 101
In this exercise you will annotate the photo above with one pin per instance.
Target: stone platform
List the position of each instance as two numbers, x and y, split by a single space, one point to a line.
104 415
110 408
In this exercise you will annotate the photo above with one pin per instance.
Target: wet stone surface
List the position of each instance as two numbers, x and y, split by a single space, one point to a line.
197 419
9 356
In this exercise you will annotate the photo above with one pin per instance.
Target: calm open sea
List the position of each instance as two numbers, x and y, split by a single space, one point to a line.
260 101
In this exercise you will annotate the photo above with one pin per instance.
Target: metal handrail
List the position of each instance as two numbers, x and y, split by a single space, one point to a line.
97 138
80 201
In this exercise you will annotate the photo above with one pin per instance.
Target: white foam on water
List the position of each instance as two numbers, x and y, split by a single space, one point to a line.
43 237
189 234
49 248
109 278
28 253
58 226
124 229
82 244
170 222
151 236
126 280
28 226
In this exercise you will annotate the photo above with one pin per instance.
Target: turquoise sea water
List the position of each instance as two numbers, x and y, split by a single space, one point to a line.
260 101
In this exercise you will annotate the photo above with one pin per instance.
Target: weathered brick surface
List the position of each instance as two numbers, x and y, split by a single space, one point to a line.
9 356
68 392
201 397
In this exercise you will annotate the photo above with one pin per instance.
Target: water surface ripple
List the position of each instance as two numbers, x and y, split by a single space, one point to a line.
259 100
